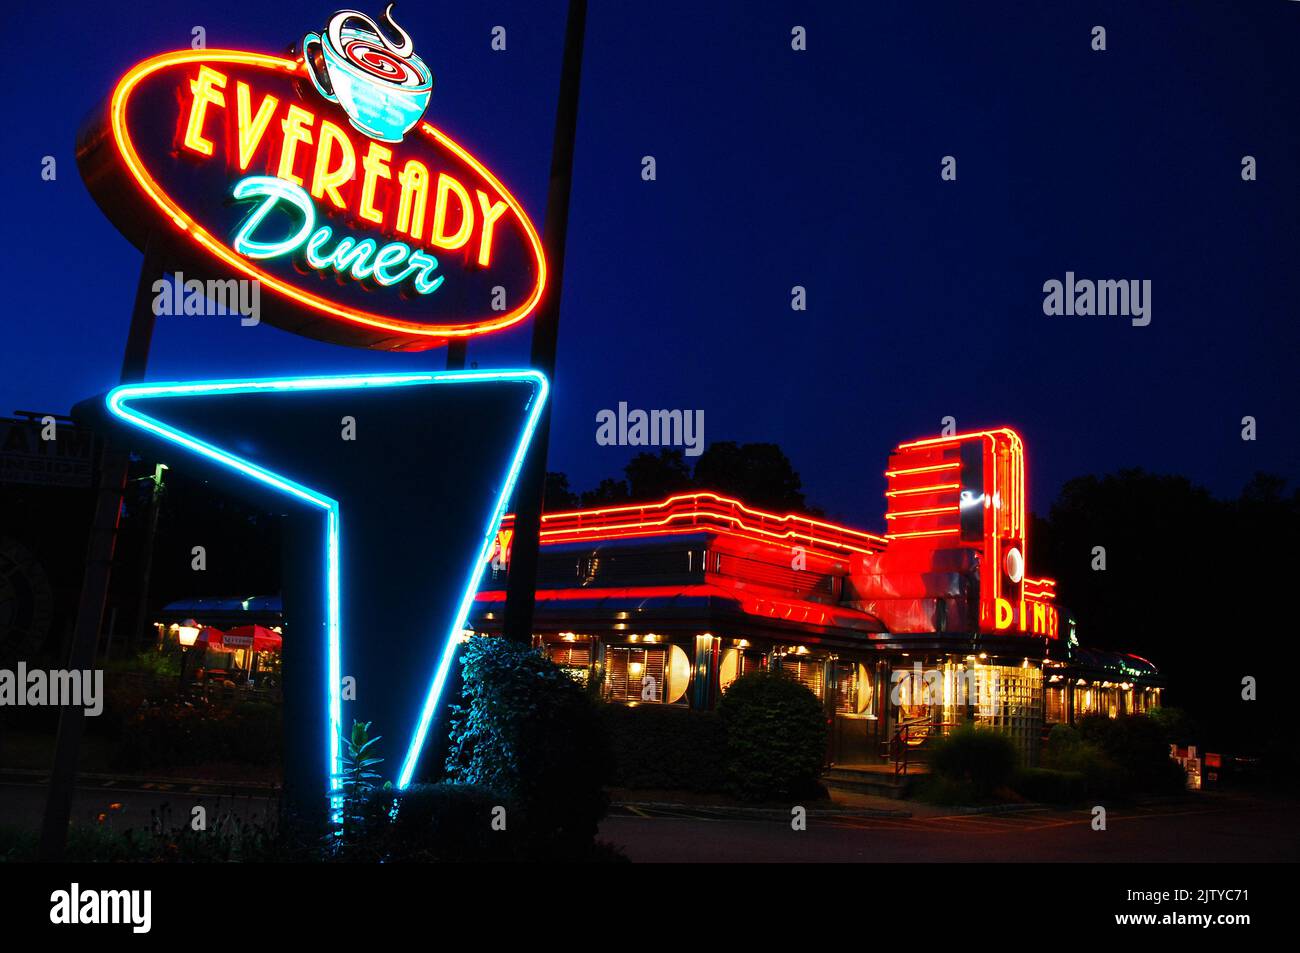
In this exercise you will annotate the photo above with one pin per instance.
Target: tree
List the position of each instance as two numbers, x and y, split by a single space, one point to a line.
759 474
1195 584
652 476
557 495
610 491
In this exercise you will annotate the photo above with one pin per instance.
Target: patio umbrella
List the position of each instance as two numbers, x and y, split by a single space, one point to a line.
210 636
258 638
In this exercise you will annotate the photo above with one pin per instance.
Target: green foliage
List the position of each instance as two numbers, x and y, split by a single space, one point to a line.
1067 752
1049 786
175 731
1176 726
439 822
163 661
1137 745
527 730
982 758
229 838
776 736
358 782
666 747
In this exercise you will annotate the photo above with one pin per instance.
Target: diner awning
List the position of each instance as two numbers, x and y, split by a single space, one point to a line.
701 599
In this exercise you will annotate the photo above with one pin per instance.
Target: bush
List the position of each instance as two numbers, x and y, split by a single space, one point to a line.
776 736
1102 778
527 730
176 732
1176 726
228 838
984 758
660 746
1049 786
1137 745
436 822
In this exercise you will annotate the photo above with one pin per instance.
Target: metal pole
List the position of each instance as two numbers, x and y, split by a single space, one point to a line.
522 580
457 349
110 489
136 637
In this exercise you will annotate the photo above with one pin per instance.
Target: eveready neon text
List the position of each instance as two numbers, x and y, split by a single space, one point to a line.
395 195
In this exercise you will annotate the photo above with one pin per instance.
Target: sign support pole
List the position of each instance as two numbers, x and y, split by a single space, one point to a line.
110 489
522 579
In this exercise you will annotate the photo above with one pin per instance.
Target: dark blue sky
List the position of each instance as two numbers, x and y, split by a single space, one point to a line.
778 168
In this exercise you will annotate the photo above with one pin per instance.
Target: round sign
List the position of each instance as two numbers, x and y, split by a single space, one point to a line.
255 169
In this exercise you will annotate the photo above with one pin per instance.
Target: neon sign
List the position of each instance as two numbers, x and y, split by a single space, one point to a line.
319 177
380 82
967 491
367 583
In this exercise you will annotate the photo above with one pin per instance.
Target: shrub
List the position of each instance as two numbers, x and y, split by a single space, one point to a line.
659 746
437 822
1049 786
1067 751
528 731
174 732
1136 745
943 790
984 758
229 837
1176 726
776 736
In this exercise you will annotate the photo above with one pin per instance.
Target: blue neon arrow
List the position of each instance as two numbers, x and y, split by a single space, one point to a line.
424 462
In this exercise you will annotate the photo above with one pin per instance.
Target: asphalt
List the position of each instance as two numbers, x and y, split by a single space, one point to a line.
1205 827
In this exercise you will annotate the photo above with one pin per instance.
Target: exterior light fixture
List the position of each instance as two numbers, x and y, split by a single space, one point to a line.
188 633
1015 565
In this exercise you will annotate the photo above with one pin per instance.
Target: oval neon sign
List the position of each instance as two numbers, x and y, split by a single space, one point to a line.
400 242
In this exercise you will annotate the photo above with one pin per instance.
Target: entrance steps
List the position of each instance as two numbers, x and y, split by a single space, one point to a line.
877 779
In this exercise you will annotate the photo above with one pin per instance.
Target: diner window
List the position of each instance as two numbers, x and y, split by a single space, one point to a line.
1056 705
574 656
852 688
568 655
635 674
807 672
735 663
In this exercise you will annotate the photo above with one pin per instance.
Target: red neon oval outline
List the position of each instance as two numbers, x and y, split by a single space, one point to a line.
221 251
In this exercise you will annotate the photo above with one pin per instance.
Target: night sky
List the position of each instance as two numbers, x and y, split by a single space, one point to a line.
779 168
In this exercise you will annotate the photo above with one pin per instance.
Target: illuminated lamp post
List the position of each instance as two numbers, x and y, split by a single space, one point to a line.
187 633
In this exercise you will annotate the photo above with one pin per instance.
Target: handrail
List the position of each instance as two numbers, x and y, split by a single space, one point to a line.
900 742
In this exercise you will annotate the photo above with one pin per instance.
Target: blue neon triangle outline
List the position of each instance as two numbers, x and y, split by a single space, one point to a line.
119 397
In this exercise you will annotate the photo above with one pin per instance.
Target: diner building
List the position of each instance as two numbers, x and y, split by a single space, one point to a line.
902 635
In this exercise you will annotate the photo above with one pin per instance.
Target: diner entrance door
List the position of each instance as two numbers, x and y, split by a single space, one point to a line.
855 729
